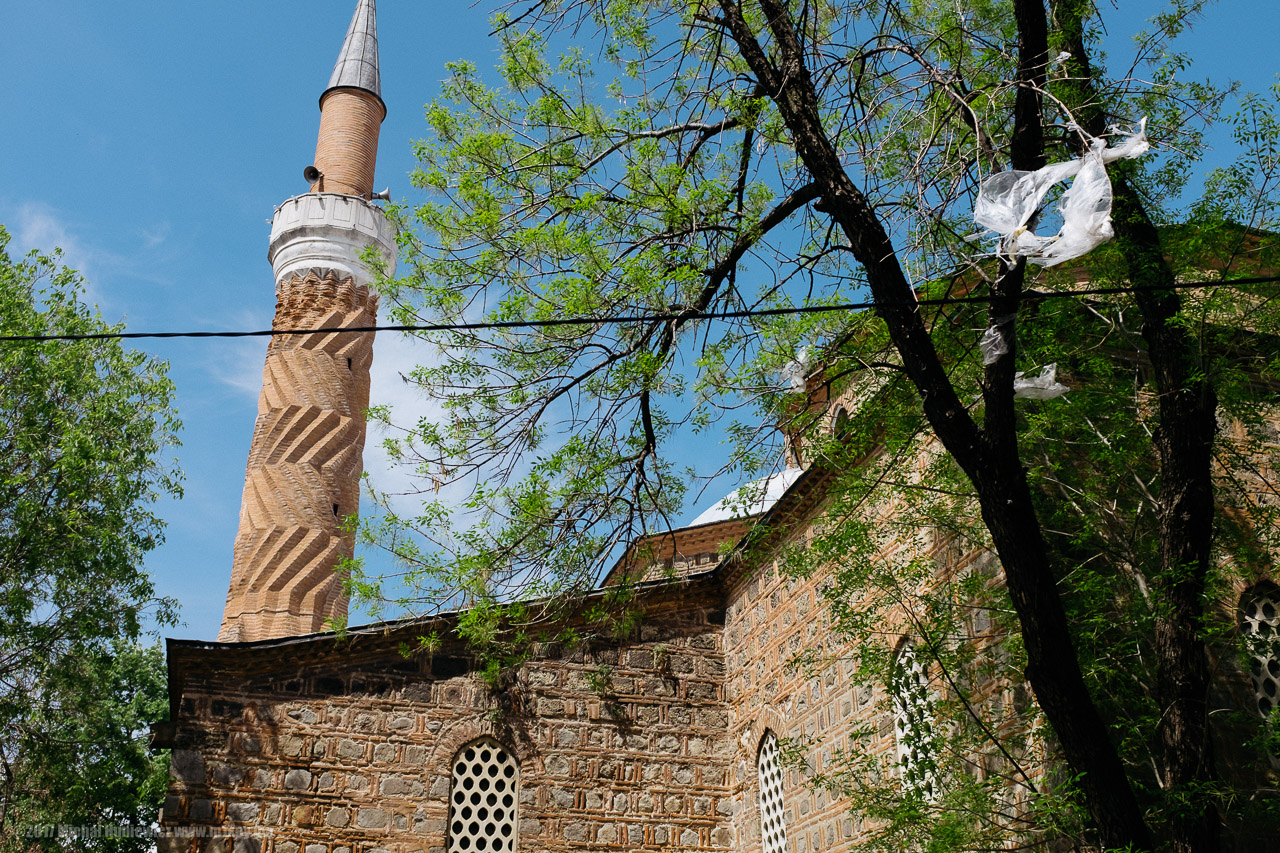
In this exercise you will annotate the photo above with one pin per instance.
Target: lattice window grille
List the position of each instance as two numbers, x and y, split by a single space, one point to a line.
1260 623
773 831
913 723
482 801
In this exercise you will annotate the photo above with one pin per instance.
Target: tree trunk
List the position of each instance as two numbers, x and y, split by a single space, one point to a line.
1186 404
993 466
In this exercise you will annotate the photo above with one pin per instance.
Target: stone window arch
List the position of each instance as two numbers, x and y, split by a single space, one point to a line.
1260 627
841 424
483 798
773 829
913 722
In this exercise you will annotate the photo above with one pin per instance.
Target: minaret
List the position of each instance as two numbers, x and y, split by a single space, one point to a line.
303 476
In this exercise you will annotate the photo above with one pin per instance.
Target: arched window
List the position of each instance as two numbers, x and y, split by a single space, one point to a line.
913 722
482 800
1260 625
773 832
841 425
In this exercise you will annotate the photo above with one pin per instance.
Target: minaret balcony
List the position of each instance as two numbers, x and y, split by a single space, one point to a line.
329 231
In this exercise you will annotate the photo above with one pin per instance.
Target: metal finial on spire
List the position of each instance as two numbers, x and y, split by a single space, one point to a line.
357 66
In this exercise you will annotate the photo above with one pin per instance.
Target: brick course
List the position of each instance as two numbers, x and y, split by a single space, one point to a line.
303 475
347 146
328 748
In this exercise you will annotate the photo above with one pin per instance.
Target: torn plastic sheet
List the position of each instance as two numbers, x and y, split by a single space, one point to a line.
1008 201
993 343
1043 387
794 373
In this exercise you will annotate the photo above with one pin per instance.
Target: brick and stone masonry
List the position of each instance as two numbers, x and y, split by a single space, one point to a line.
303 476
302 481
324 746
347 147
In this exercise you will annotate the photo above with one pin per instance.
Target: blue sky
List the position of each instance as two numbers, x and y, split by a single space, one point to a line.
152 141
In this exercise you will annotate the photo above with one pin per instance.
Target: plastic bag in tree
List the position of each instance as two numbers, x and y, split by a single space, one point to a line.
1008 201
993 345
1043 387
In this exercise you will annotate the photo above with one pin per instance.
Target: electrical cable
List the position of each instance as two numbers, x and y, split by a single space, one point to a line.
682 316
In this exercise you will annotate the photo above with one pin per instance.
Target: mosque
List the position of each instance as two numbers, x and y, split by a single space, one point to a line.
285 740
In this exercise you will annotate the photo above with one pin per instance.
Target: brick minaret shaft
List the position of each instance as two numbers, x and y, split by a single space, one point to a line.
303 476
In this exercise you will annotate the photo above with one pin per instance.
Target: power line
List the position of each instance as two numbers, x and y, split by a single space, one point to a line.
642 318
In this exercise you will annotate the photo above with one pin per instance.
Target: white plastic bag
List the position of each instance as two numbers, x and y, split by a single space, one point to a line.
795 373
1043 387
1086 214
993 345
1008 201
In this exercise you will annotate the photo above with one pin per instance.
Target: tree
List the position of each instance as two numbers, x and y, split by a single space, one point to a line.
754 155
83 427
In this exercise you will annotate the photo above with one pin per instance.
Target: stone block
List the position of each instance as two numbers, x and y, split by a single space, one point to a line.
350 750
297 780
248 744
243 812
172 806
337 817
304 715
384 753
400 786
247 844
185 765
292 746
372 819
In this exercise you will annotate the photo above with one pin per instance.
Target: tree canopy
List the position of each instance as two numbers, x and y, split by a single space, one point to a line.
84 429
647 163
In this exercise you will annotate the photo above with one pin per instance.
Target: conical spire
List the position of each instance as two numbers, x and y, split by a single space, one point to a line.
357 66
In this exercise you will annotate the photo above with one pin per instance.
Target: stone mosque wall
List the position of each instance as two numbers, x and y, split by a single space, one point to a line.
314 746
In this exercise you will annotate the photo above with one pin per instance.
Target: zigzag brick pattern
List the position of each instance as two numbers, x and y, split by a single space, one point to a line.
303 475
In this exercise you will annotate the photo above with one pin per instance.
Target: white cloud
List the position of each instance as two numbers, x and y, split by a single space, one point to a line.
395 355
153 237
36 225
237 362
